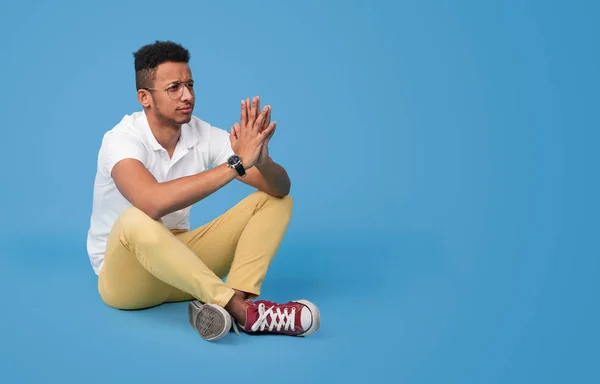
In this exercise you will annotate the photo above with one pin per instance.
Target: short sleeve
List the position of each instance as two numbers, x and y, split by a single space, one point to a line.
220 147
116 147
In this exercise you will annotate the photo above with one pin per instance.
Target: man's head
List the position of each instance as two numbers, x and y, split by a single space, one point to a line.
164 82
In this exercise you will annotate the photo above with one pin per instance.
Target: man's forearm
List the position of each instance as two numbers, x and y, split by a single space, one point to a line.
180 193
276 178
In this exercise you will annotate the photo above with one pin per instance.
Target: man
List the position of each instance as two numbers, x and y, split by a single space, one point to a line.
156 163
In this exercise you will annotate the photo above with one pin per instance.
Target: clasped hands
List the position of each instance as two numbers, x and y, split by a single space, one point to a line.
250 137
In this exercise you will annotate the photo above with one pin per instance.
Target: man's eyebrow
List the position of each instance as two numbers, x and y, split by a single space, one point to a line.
179 81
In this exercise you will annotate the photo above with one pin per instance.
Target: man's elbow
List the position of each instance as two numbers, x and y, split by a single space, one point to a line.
151 210
281 192
151 207
154 213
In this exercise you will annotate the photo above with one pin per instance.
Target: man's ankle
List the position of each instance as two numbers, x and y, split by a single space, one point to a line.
237 308
241 294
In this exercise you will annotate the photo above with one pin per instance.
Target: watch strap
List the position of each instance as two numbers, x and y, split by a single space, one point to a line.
239 167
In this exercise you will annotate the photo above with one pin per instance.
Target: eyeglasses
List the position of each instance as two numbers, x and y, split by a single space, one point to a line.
175 90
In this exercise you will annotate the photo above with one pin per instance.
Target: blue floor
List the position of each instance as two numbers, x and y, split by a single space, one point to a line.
398 307
58 328
444 164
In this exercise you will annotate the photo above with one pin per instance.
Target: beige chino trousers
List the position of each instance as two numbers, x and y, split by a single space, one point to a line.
146 264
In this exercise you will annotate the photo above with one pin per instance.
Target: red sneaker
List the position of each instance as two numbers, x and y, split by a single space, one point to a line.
295 318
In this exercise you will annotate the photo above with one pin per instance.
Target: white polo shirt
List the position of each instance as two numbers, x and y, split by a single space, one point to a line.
200 146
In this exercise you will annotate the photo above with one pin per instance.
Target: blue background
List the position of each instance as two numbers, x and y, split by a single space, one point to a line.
444 167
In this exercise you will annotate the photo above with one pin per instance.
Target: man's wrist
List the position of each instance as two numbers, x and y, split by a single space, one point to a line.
236 162
265 163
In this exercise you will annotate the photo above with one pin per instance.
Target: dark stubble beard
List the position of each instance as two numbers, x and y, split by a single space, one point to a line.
167 120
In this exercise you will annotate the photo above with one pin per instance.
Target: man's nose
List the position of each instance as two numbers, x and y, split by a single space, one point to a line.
187 94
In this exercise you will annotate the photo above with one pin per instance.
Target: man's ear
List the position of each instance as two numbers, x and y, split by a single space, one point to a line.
144 97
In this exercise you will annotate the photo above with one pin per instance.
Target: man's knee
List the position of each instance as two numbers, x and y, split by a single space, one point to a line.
285 206
134 217
138 225
286 202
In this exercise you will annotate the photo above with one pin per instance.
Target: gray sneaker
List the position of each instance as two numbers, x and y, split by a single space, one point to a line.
210 320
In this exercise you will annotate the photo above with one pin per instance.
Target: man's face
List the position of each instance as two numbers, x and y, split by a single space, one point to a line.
175 105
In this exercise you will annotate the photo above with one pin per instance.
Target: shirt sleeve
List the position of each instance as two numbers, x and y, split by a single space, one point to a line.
116 147
220 147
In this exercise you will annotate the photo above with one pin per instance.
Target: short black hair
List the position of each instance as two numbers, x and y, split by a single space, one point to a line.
150 56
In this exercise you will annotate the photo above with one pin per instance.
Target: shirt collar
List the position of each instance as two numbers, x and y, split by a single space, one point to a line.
188 138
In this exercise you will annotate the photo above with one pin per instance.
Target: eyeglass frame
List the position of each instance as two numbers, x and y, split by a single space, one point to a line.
176 83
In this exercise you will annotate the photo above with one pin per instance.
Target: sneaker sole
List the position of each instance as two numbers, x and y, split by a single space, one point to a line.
211 321
316 317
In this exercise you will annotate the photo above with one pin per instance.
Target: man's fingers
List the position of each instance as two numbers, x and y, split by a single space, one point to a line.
253 111
256 105
232 139
267 119
244 114
250 121
269 131
259 121
236 130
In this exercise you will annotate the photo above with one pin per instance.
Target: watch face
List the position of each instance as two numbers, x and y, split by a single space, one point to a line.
233 160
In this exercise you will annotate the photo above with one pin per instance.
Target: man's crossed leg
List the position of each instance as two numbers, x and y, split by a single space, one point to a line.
146 265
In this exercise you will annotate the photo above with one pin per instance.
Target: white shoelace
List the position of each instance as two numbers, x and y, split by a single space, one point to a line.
234 326
279 320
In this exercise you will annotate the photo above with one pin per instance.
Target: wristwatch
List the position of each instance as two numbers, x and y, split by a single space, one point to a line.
235 162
